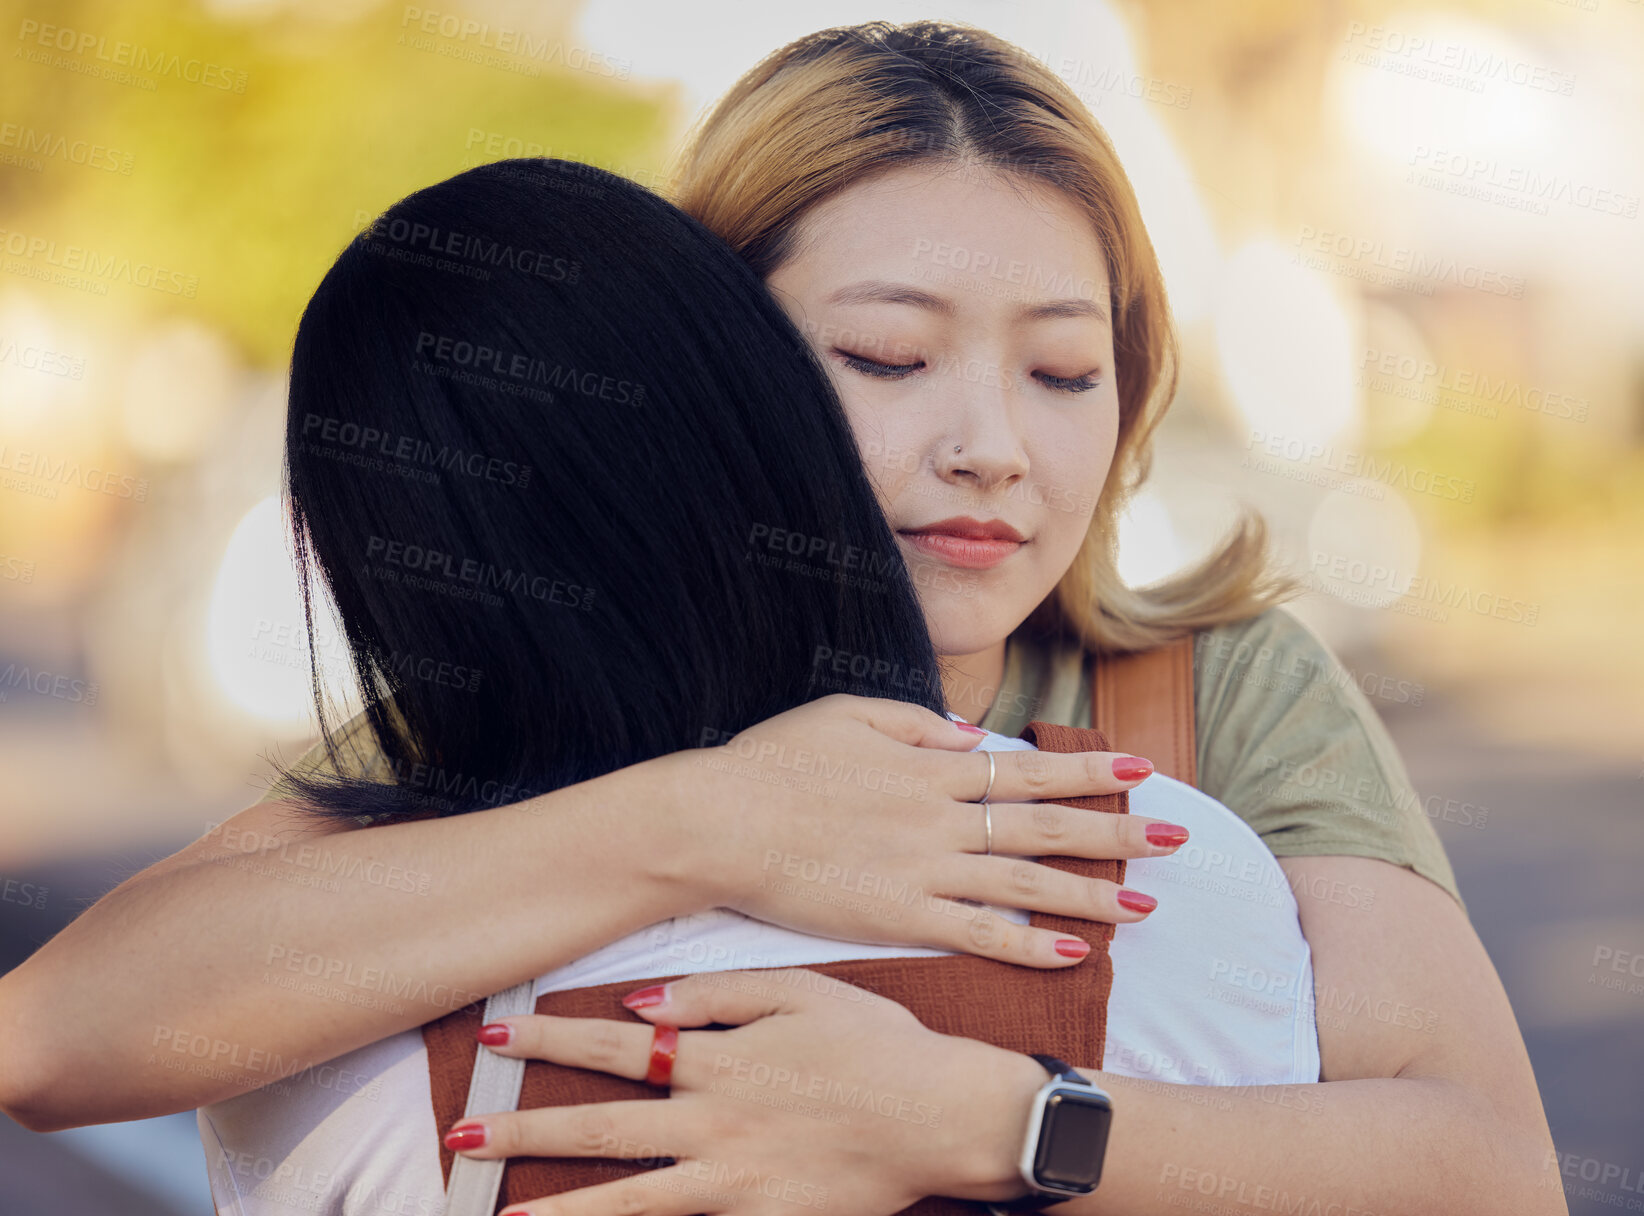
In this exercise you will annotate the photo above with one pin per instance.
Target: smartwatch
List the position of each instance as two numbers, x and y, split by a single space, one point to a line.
1066 1140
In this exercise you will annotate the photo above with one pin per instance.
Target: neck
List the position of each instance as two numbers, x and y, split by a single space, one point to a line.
970 682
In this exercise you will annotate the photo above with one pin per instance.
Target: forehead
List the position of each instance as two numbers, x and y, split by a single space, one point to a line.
1003 234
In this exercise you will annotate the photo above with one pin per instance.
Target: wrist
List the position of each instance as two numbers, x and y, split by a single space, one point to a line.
991 1158
660 845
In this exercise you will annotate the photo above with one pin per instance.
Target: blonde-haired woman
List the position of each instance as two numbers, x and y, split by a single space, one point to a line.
953 231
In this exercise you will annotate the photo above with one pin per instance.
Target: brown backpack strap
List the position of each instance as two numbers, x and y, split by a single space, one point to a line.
1144 703
1061 1012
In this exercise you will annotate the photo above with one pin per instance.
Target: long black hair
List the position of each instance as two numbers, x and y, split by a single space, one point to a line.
579 492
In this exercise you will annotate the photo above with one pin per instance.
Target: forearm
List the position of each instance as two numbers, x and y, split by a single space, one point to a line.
202 980
1343 1148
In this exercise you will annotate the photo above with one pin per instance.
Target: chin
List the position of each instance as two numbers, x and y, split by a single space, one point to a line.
959 626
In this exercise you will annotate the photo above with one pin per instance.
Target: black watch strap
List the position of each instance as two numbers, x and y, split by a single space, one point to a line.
1059 1071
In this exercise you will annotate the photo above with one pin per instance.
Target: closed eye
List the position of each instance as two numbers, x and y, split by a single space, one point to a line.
1075 384
880 371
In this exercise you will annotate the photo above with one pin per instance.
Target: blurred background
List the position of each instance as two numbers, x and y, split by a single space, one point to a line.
1404 249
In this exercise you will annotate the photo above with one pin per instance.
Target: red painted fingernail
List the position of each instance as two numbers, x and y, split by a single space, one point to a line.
975 730
465 1136
1166 835
646 998
1072 947
1131 768
1135 901
500 1034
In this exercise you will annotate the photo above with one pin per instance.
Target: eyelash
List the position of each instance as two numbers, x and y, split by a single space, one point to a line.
900 371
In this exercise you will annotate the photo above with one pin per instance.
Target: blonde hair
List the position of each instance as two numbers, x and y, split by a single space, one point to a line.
834 108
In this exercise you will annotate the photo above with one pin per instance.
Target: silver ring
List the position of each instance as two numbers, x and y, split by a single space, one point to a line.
987 808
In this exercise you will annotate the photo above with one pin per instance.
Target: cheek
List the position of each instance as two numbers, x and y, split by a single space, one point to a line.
1073 458
885 437
1074 450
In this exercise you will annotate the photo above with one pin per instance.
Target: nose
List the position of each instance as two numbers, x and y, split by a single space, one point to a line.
979 446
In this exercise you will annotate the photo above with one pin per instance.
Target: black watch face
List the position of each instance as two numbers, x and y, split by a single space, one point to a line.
1073 1140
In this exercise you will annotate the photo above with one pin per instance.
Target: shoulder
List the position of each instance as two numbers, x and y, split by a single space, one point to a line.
1288 740
1268 670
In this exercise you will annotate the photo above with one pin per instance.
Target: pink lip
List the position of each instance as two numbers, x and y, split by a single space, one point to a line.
966 543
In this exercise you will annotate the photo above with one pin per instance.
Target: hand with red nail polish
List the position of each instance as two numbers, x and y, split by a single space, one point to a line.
1135 901
777 835
497 1034
647 998
466 1136
954 1099
1132 768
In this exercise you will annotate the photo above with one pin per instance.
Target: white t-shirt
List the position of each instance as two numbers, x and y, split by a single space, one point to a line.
1214 988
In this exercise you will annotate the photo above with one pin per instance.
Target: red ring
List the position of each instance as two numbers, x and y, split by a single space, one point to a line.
664 1047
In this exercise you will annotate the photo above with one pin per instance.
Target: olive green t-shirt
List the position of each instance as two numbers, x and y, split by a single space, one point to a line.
1286 740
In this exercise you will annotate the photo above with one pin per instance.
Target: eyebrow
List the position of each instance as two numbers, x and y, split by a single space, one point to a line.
874 291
